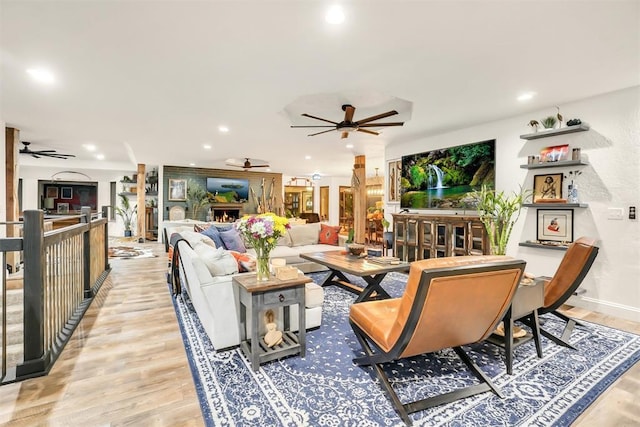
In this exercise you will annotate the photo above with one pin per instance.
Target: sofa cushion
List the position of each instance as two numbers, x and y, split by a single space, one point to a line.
284 240
306 234
218 260
194 238
232 240
212 233
329 234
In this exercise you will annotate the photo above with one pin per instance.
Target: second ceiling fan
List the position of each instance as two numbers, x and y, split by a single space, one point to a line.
349 125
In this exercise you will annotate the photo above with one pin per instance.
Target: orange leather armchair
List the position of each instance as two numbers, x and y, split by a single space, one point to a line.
448 302
572 270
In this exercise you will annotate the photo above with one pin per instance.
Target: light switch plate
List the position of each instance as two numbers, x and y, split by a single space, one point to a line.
615 213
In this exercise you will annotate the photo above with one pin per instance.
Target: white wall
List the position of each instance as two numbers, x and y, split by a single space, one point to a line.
611 180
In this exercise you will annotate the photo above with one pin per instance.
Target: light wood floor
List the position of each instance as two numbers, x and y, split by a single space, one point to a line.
126 365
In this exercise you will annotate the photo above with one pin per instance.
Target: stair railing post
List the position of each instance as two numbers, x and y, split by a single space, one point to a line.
36 361
85 211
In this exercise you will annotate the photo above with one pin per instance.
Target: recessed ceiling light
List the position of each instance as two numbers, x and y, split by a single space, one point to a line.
349 145
526 96
223 129
41 75
335 15
206 147
192 164
100 156
307 157
89 147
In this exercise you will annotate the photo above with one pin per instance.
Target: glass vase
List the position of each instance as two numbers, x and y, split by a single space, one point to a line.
263 272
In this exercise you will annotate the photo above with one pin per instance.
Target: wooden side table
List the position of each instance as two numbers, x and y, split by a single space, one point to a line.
525 304
259 296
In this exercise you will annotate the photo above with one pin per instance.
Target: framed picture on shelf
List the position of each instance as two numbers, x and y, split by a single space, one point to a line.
555 225
63 208
547 188
177 189
394 169
52 192
66 193
556 153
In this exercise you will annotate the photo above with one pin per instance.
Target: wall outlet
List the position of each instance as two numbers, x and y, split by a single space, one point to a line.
615 213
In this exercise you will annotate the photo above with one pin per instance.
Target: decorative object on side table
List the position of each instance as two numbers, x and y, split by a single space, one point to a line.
498 212
356 249
262 232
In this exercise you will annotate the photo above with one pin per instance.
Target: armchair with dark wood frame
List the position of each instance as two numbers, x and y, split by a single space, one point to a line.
572 270
447 303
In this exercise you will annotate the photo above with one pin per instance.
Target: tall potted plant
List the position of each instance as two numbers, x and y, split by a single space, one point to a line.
126 212
499 212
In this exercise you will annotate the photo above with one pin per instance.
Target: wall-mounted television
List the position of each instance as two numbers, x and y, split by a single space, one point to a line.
443 179
228 190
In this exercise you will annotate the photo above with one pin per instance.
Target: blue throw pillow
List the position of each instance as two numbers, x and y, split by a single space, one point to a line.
232 240
213 233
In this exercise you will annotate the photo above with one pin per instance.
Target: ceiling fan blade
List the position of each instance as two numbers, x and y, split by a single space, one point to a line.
348 112
259 166
318 126
344 135
318 133
44 151
318 118
368 131
372 125
34 155
377 117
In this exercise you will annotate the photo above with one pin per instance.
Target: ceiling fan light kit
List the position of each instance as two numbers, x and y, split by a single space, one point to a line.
348 125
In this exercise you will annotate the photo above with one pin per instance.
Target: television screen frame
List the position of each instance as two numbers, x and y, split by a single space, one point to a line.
221 186
452 174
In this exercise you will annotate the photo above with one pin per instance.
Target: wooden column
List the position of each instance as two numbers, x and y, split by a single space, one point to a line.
140 219
12 140
359 186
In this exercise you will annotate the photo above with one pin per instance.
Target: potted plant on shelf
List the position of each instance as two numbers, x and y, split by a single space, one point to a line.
126 212
549 122
499 212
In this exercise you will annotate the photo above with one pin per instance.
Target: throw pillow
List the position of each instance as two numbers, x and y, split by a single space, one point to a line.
246 262
219 261
194 238
211 232
305 234
232 240
329 234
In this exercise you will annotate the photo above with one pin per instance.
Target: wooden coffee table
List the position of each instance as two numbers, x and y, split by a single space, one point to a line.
259 296
339 263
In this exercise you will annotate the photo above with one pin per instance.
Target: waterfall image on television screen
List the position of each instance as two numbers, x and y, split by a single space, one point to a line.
444 178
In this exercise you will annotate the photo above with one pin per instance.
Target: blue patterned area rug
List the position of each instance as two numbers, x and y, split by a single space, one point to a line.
326 389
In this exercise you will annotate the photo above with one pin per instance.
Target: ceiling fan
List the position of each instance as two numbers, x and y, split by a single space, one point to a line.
247 163
348 125
43 153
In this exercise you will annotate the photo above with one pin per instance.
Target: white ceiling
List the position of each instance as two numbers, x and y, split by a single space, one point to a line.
151 81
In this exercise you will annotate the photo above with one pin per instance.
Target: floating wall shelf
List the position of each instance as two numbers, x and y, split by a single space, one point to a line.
555 132
556 205
559 164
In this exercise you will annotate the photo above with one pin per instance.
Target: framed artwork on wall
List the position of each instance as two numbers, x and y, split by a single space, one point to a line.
547 188
63 208
52 193
177 189
394 170
66 193
555 225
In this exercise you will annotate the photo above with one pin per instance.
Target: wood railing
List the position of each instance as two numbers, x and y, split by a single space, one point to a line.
63 270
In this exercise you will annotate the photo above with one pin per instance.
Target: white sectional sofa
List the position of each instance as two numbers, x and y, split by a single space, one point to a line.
214 296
